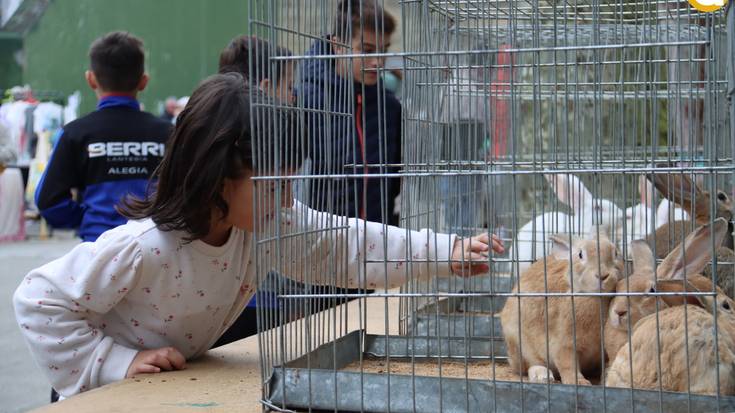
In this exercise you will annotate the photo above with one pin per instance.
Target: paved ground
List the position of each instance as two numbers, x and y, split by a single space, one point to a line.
22 386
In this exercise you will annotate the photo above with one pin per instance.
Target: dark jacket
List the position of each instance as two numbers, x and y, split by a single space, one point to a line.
106 155
343 119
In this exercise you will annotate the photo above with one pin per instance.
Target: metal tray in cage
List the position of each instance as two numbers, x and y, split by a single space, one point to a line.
428 323
314 381
472 316
486 284
474 304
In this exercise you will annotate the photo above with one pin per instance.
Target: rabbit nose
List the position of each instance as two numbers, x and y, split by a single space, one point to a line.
621 312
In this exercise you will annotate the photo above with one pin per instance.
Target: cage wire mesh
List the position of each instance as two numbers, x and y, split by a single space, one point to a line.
607 123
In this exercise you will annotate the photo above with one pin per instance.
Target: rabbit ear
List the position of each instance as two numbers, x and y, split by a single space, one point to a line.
699 180
570 190
678 286
603 230
700 283
646 191
642 257
663 211
694 253
561 244
679 188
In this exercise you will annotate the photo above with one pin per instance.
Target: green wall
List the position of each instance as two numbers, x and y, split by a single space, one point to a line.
10 72
182 38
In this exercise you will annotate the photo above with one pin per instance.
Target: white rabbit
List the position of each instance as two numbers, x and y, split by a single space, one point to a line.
532 240
639 218
664 213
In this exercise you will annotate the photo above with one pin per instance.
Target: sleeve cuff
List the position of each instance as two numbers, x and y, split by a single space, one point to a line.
116 364
443 252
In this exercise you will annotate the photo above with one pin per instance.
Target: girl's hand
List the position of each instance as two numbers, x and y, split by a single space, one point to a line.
470 256
153 361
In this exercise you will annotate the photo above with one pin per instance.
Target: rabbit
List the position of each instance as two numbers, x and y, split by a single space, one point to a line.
622 319
532 240
680 334
689 258
590 271
725 268
667 211
690 197
682 191
641 219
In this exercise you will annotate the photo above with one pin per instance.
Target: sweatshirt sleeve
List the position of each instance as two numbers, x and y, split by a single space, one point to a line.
321 248
58 307
53 194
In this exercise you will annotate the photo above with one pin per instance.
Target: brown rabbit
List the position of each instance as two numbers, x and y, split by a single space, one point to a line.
680 189
686 345
689 258
525 331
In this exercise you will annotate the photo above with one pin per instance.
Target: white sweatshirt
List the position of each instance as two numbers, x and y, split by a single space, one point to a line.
86 314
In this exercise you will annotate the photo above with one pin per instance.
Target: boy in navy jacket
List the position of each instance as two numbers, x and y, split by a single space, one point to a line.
334 89
109 153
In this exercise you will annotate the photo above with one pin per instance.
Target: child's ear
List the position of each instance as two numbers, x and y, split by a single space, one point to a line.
91 79
143 82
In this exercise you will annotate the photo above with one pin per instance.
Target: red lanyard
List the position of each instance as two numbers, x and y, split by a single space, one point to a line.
360 138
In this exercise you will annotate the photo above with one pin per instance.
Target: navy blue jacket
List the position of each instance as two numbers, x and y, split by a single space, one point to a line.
336 138
106 155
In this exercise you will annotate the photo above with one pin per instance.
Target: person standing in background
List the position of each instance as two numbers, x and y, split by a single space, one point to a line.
373 135
168 109
12 205
109 153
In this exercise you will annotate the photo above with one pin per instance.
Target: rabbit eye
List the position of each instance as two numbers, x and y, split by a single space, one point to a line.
580 254
652 289
726 305
721 196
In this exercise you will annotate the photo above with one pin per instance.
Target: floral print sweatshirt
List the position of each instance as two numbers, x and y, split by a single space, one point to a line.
87 314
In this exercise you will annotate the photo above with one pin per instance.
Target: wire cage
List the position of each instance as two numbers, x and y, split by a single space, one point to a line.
599 129
599 90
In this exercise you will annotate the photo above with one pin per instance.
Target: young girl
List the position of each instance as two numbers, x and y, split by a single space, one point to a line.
160 290
253 58
275 79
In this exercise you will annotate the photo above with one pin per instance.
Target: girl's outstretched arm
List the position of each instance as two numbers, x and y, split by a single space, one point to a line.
322 248
58 307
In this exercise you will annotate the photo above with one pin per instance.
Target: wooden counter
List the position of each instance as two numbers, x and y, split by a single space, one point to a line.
226 379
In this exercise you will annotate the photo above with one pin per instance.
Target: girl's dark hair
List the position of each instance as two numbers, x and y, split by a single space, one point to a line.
212 141
236 58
